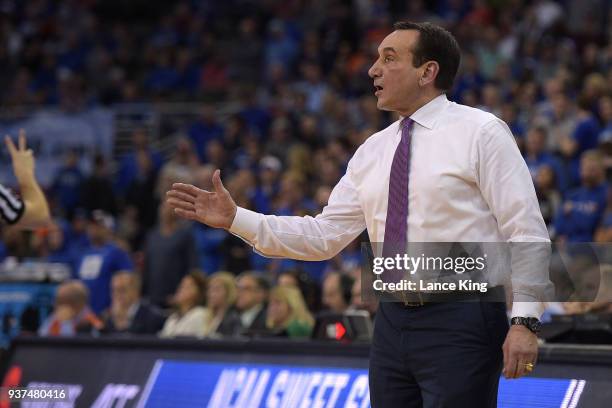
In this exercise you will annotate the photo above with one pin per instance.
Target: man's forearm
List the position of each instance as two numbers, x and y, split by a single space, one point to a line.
36 207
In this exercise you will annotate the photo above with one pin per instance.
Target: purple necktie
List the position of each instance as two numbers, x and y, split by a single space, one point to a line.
396 224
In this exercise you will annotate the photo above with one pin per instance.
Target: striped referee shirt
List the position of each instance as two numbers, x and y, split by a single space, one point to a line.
11 207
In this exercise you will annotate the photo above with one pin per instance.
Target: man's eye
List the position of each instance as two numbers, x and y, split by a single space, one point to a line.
388 59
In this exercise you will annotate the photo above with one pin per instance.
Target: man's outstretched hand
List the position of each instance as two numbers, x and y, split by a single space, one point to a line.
214 208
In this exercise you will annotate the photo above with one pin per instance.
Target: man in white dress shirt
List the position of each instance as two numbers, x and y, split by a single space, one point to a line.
467 183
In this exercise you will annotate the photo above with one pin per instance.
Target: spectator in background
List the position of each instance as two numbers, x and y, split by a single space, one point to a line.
536 156
309 288
101 260
604 231
66 185
291 198
169 255
605 111
75 233
280 139
181 166
358 302
605 136
190 317
97 191
583 208
128 312
584 137
131 166
469 78
251 302
220 300
50 245
560 120
204 130
270 168
140 169
287 313
337 292
71 313
548 196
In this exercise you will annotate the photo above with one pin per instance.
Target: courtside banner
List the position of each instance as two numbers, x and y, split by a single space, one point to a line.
107 372
188 384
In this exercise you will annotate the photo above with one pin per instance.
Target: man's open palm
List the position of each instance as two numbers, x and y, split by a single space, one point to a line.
214 208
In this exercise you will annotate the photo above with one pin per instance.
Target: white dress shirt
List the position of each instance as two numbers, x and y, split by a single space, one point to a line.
467 183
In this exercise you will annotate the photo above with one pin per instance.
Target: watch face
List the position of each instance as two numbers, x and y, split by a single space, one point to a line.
535 325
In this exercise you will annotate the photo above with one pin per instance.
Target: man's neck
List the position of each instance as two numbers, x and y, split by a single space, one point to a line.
418 103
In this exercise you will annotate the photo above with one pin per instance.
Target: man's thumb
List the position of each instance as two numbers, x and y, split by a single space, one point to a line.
217 183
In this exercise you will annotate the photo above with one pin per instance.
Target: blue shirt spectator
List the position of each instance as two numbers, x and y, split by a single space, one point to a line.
583 208
204 130
101 261
208 241
130 168
537 157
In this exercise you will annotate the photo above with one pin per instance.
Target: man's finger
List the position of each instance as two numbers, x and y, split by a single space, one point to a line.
180 196
174 203
9 144
187 188
22 140
512 366
190 215
521 370
217 183
509 364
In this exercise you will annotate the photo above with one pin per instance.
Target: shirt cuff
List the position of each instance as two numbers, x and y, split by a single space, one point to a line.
245 224
527 309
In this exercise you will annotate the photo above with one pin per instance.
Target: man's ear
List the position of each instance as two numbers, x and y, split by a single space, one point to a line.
430 72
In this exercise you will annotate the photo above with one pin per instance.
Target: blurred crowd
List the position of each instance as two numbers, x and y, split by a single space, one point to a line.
296 74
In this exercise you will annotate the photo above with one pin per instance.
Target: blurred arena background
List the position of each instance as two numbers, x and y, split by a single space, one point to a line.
120 99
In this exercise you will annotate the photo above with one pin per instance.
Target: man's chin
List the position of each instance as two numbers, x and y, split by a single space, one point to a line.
380 104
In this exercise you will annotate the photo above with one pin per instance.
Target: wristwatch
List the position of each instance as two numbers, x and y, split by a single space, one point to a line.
531 323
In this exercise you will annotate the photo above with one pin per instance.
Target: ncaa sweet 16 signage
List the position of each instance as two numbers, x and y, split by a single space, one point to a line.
154 373
215 385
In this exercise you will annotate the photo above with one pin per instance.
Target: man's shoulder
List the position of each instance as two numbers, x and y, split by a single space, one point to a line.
470 116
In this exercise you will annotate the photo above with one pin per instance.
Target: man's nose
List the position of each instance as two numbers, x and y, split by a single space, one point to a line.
374 72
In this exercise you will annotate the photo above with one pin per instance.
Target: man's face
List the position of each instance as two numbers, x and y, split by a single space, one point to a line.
123 292
249 294
395 78
332 294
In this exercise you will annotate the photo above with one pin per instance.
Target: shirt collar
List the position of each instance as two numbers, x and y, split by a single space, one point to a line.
427 114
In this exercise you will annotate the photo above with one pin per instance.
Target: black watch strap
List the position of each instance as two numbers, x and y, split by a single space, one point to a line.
531 323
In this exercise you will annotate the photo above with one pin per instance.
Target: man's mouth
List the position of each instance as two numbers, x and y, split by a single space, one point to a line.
378 89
